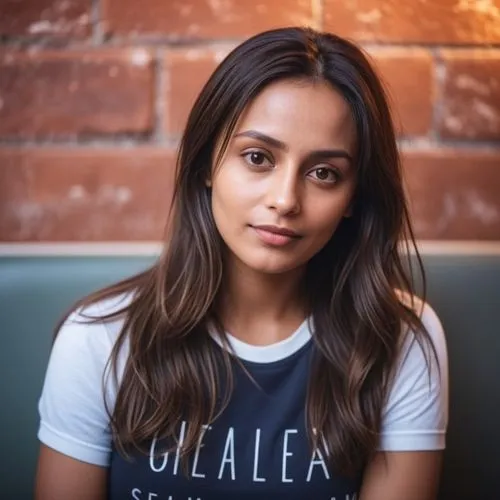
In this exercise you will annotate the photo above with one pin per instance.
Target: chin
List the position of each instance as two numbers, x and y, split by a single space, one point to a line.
270 265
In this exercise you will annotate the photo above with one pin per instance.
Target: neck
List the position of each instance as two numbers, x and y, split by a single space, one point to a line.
255 302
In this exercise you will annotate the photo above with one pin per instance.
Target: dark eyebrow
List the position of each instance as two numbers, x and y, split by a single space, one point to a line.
331 153
264 138
319 155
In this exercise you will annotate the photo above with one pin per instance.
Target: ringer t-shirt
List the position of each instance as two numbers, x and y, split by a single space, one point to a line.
258 447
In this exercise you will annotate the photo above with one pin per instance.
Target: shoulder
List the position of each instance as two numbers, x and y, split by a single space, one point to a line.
85 330
85 341
427 346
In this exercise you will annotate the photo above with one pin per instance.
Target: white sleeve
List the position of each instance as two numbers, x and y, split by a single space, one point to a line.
73 418
416 414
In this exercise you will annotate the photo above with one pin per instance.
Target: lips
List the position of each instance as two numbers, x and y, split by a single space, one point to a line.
275 236
283 231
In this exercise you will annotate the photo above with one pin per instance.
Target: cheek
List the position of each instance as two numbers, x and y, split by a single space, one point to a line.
325 217
326 214
225 202
323 233
228 207
233 191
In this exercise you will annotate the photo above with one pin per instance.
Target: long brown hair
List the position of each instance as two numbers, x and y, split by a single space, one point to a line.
174 371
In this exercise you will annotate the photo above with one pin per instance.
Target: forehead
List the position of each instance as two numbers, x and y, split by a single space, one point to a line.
311 114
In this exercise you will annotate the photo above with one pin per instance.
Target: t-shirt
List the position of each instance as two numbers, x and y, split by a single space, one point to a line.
258 447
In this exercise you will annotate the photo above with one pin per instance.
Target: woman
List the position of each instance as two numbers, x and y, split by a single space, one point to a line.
275 350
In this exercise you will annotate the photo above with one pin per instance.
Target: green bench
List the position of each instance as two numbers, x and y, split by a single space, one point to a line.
464 289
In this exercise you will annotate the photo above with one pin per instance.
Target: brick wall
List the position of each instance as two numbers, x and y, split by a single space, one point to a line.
94 94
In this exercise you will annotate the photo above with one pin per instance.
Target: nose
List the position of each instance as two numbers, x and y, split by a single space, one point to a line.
283 192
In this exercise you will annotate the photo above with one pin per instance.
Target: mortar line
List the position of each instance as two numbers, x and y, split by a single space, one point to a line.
161 82
439 74
317 14
96 16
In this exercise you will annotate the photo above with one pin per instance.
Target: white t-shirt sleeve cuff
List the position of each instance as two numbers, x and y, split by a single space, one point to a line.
413 441
72 447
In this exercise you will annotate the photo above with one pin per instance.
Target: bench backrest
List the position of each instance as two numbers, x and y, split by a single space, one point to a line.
463 289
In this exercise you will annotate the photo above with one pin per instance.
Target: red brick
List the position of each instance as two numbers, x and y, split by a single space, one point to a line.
424 21
455 194
69 93
48 18
84 194
177 19
408 77
471 95
186 73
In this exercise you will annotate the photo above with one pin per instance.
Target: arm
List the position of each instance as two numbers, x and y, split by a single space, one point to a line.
74 425
412 475
60 477
407 464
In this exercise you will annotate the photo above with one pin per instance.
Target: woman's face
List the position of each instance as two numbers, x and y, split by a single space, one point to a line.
287 177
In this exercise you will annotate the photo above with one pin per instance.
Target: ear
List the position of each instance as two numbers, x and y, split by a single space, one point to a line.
208 174
348 212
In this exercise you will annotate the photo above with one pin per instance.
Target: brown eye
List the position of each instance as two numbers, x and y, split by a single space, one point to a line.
257 159
325 174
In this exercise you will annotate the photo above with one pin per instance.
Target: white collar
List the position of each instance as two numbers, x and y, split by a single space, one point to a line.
268 353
